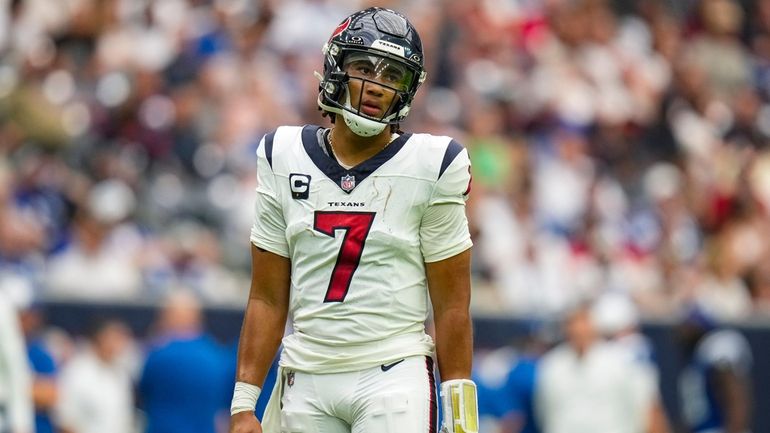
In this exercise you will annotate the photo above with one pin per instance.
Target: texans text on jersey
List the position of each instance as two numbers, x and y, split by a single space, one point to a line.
346 203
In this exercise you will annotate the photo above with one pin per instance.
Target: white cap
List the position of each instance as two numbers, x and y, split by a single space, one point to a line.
662 181
614 312
110 201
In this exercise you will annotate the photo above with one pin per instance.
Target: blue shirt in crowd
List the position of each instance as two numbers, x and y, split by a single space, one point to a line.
518 393
184 384
43 365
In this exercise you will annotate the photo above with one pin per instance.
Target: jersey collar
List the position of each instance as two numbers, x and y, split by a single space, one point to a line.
347 179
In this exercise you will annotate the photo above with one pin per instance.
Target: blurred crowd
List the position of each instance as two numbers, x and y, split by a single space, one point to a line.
598 372
104 378
616 146
621 153
592 372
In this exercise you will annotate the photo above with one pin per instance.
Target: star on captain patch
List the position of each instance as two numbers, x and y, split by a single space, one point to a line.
348 182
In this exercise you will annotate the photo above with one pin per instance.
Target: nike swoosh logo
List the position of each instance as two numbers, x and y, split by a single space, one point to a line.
386 367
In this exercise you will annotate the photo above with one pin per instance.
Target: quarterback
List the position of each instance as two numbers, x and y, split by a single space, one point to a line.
358 230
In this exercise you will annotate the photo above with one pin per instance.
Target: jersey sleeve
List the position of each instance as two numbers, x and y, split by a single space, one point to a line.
726 349
444 228
269 229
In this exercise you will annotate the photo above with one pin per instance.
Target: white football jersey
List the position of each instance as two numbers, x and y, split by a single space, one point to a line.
358 240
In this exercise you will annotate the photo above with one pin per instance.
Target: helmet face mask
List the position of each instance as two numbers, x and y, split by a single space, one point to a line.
380 69
375 48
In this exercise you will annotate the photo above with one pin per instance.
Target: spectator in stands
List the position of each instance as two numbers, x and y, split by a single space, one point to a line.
21 238
718 49
715 386
585 385
15 381
95 388
192 259
185 382
101 261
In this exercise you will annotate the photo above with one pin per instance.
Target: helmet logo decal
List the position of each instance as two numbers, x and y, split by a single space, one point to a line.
348 182
388 47
340 28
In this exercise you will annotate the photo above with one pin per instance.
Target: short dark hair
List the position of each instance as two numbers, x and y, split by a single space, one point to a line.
97 324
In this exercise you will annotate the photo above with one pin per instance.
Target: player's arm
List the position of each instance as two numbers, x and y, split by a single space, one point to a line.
265 317
445 242
733 396
261 333
449 285
657 420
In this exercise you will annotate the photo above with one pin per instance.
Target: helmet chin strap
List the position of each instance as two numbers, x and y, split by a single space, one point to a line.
362 126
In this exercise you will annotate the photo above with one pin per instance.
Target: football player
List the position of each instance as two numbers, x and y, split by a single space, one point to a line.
358 229
715 385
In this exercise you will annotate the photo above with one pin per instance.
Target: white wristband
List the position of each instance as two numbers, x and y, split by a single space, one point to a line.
460 406
245 396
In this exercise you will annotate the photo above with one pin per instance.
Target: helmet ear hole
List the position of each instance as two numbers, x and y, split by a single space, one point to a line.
404 111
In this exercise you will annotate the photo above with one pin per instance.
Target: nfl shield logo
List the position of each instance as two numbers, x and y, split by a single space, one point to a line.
290 378
348 182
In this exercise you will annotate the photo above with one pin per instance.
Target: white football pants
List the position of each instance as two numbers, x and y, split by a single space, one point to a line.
397 397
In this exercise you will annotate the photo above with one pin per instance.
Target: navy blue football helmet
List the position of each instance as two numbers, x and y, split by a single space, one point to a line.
374 45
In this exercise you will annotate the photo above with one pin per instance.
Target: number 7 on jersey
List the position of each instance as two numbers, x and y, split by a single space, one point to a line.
356 226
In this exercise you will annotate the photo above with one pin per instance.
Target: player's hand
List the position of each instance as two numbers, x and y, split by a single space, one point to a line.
460 403
244 422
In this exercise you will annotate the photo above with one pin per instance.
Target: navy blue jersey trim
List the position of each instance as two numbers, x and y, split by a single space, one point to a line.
452 150
269 148
331 168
